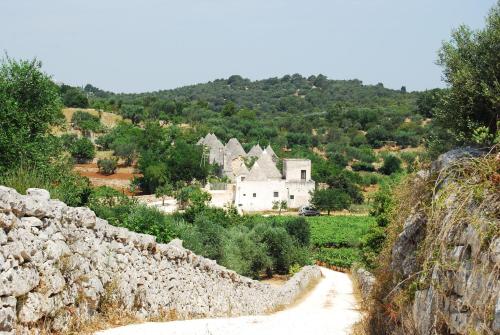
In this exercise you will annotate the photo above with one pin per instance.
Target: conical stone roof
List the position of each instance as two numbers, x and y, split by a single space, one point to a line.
271 153
256 151
264 169
239 168
213 142
234 148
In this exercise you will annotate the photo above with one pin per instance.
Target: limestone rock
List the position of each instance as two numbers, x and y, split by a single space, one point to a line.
31 309
366 281
7 319
38 193
405 246
18 281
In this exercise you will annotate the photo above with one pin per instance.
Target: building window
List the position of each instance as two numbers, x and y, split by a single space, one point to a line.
255 195
244 194
276 194
242 178
303 174
292 197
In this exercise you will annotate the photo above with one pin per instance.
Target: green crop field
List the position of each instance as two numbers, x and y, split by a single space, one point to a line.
343 257
339 231
337 239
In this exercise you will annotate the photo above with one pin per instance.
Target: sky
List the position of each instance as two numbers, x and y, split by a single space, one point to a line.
147 45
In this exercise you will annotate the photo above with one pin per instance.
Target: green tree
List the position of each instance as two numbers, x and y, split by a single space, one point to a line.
86 122
125 150
300 229
154 175
391 165
471 68
82 150
165 190
428 101
280 205
135 113
29 106
74 97
107 166
330 200
184 163
229 109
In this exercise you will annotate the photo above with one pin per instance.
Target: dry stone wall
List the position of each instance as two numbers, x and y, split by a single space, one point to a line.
58 262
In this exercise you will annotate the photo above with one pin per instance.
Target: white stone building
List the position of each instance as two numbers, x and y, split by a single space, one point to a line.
258 188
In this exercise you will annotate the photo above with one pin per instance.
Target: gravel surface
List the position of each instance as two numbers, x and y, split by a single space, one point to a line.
330 308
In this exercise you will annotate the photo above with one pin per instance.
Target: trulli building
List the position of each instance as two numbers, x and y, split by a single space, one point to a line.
257 188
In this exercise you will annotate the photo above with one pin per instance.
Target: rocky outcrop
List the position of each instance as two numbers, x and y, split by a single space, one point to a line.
58 262
448 252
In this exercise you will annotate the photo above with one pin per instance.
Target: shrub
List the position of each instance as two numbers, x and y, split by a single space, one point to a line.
107 166
361 166
299 229
86 121
391 165
74 97
59 180
337 158
149 220
279 247
82 150
243 254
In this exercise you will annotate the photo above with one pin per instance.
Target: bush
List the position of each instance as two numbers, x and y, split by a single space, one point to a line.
299 229
149 220
107 166
59 180
391 165
86 121
74 97
361 166
82 150
243 254
68 140
279 247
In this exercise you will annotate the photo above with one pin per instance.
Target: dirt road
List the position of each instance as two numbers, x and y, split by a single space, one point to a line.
330 308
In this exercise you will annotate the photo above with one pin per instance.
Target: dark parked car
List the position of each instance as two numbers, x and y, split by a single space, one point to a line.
308 211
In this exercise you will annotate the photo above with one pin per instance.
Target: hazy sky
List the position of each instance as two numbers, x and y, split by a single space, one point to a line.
134 46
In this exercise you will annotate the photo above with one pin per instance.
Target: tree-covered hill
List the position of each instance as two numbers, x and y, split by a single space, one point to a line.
291 93
288 111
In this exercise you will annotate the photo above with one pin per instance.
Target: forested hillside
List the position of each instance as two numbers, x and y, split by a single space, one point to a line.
288 111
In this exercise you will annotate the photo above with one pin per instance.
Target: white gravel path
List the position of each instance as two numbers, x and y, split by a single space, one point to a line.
330 308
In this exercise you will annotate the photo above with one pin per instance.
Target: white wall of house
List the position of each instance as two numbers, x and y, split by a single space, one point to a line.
259 195
295 169
222 198
299 193
253 196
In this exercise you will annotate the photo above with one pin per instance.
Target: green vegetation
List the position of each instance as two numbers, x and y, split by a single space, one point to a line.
73 97
339 231
86 122
82 150
468 111
107 166
392 164
330 200
251 245
341 257
29 106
